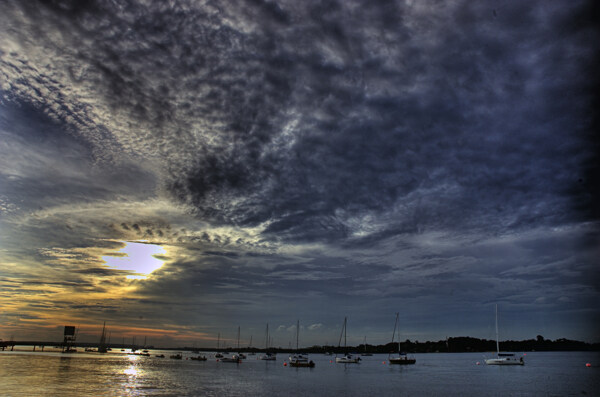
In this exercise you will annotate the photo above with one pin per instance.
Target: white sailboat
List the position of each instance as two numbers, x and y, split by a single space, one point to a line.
235 358
503 358
297 359
347 358
241 355
401 358
268 356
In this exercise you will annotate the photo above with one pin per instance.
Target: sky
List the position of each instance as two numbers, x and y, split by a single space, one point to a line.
180 169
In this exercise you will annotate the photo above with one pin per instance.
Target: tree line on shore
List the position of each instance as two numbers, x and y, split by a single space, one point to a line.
461 344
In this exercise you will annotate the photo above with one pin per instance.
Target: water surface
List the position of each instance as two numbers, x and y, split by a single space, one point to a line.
27 373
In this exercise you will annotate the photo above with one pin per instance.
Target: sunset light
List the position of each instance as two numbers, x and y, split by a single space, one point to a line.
137 257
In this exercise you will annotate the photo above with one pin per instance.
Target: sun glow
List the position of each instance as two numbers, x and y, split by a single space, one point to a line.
137 257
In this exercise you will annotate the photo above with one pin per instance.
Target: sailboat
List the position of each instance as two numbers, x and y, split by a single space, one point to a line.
402 358
241 355
102 346
503 358
144 351
366 354
347 358
235 358
267 356
108 347
297 359
250 347
217 354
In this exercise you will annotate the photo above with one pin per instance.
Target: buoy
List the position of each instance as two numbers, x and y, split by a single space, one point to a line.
383 362
588 365
478 363
285 364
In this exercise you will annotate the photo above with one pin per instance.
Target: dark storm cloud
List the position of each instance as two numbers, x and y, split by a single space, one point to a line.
309 115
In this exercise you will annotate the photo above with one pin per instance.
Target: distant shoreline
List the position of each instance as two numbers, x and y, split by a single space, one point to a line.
451 345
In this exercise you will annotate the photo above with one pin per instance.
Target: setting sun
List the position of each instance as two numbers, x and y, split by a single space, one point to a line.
138 257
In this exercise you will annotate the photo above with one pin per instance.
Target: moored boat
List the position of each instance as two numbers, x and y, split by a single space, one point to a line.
102 348
297 359
503 358
402 358
217 354
347 358
366 353
268 356
233 359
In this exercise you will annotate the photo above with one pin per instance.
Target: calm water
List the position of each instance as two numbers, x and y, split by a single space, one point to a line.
27 373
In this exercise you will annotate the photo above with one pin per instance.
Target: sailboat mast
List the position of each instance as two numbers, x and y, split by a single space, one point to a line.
103 336
497 342
238 339
394 333
267 338
399 348
297 333
345 321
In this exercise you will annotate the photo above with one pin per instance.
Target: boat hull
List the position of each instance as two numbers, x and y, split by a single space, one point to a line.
303 364
402 361
233 359
347 360
503 361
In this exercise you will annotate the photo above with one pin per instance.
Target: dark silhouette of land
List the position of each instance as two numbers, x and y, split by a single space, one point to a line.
461 344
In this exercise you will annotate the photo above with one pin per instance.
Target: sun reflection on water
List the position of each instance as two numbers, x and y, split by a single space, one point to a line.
132 371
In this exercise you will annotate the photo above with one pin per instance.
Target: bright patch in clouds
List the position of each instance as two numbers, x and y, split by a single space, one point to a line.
137 257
